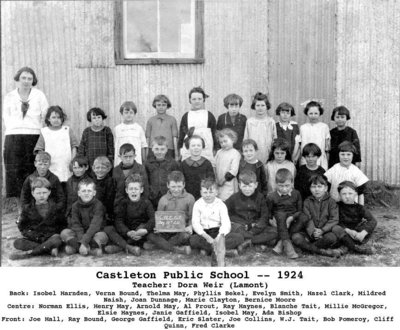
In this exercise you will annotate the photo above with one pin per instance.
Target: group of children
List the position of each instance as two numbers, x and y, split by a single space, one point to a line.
239 182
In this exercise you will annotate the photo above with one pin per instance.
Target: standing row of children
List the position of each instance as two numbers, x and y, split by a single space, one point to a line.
132 182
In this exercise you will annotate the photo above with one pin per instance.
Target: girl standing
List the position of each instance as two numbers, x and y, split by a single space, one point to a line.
315 132
261 128
59 141
200 122
279 158
227 162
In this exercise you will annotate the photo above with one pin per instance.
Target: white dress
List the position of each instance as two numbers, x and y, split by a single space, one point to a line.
263 131
58 145
227 161
129 133
316 133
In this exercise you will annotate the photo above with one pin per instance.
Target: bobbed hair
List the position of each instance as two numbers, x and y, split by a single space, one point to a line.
311 148
95 112
57 109
128 105
285 107
29 70
161 98
233 99
340 110
282 144
313 104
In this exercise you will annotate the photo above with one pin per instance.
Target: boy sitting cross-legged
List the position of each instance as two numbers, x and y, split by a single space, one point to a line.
86 223
248 212
40 223
322 213
134 219
176 199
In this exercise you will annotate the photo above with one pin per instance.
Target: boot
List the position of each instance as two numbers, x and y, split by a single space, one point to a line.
348 241
183 249
54 252
135 250
148 246
246 244
278 249
69 250
362 249
98 252
330 253
289 250
24 244
111 249
20 256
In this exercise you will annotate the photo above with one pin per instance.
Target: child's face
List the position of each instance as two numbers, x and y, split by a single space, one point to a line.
248 189
41 195
284 188
313 114
340 120
96 120
134 191
78 170
176 188
284 116
100 170
249 152
209 194
197 101
261 109
311 160
233 109
345 158
318 190
55 120
42 166
348 195
128 158
161 107
226 142
86 192
195 147
128 115
279 155
159 151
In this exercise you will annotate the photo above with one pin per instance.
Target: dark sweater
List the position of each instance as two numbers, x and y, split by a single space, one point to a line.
225 121
301 182
337 137
105 193
72 191
290 205
248 210
289 134
87 219
57 193
134 215
259 170
37 228
194 172
351 215
157 173
322 214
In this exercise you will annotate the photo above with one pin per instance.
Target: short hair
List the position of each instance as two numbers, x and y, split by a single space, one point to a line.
208 183
198 90
128 105
40 182
285 107
125 148
228 132
160 140
313 104
347 146
95 112
347 184
318 179
233 99
43 156
282 175
194 137
250 142
87 182
81 160
57 109
176 176
247 177
311 148
134 178
29 70
103 160
260 97
340 110
282 144
162 98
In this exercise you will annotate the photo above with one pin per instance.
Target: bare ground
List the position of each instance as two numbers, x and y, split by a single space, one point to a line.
386 241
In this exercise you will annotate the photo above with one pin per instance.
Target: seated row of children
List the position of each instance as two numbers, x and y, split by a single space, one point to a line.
244 218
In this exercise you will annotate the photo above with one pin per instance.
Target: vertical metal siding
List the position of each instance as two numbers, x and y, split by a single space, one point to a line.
302 61
368 81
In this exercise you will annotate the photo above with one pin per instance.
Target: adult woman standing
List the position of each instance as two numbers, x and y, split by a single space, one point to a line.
24 111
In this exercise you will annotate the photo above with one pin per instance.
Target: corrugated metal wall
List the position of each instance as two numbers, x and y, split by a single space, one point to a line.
368 81
71 47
